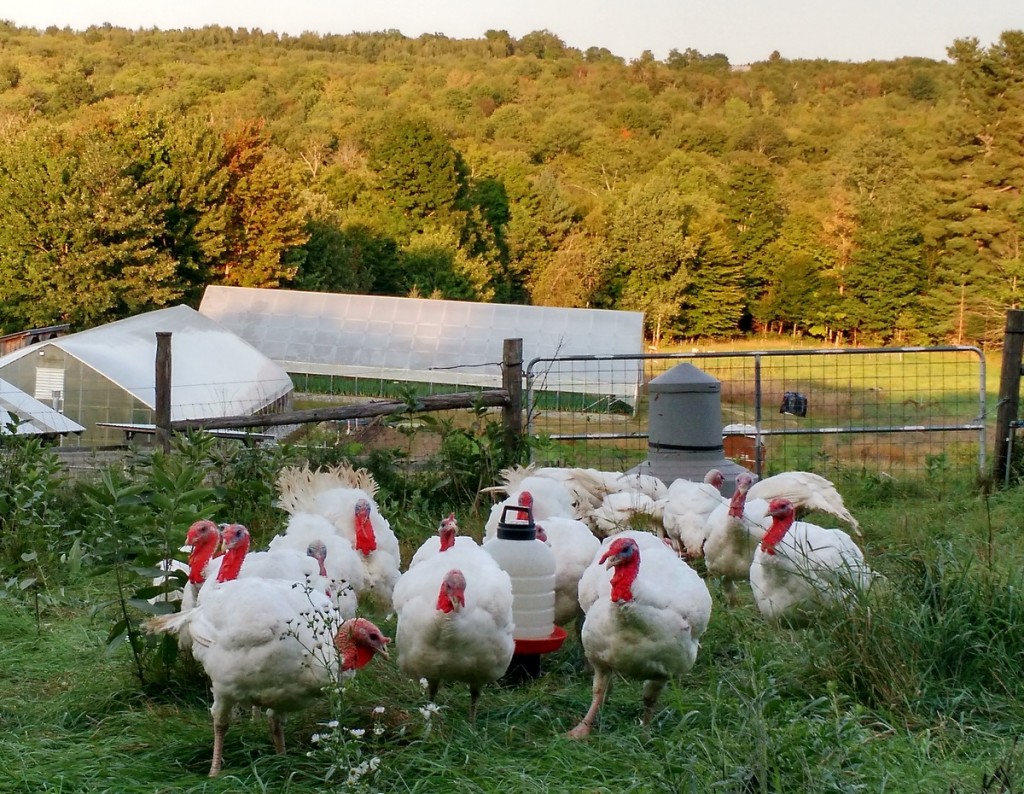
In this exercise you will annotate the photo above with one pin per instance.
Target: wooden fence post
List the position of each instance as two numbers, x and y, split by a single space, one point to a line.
162 403
1009 390
512 382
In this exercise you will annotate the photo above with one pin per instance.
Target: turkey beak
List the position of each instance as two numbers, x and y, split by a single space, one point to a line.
382 646
457 597
613 560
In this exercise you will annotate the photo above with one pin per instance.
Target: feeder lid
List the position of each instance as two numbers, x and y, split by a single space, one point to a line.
516 528
685 378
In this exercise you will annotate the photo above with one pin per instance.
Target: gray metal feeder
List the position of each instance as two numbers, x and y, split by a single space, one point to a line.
684 431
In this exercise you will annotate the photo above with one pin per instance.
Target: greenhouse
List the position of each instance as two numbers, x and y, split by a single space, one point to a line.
108 374
25 415
424 341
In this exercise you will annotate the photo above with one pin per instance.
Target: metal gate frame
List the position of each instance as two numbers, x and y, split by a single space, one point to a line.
533 377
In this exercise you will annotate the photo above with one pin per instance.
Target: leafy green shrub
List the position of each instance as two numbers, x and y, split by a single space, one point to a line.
131 520
31 511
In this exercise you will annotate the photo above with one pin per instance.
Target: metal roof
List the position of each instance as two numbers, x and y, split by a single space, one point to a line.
213 371
415 339
34 417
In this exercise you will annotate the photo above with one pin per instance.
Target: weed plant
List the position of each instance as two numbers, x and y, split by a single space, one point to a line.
915 687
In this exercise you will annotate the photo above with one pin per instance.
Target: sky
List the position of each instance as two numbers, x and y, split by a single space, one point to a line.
744 30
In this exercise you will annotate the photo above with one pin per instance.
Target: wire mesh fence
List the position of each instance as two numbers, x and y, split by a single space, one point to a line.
903 412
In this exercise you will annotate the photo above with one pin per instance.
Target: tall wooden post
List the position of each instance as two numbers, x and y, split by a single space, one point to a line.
162 405
1009 390
512 382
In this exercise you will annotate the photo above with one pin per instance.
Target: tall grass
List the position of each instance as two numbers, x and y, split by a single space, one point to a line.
916 687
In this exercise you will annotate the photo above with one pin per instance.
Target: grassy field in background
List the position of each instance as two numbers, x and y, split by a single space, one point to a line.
918 689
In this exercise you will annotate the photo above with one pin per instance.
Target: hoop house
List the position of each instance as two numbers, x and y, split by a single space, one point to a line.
420 340
108 373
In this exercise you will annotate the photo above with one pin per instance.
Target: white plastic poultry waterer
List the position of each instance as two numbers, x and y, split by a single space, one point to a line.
530 564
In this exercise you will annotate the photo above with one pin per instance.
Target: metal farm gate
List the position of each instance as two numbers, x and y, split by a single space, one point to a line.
901 412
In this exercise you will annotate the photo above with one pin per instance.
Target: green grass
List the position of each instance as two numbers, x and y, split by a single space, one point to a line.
917 689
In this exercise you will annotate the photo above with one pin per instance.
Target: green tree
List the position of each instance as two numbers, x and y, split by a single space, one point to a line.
573 275
979 234
753 214
77 235
886 277
182 163
715 300
73 90
651 250
266 225
420 173
433 264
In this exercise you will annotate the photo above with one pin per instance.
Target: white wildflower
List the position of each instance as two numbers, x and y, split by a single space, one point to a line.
357 732
378 710
332 724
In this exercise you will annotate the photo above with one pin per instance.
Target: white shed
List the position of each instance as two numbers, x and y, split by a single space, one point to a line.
108 373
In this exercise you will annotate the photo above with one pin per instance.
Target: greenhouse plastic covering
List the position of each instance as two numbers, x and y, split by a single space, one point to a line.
33 417
413 339
213 372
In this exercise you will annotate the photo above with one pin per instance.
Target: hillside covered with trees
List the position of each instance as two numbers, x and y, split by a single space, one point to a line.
873 202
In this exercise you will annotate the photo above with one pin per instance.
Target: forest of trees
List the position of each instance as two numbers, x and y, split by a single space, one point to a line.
856 203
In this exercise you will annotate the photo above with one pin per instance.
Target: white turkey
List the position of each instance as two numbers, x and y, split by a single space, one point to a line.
447 540
645 624
594 580
344 496
573 546
269 644
297 485
734 530
550 496
800 568
201 542
641 483
807 491
289 564
343 565
204 538
455 622
234 541
545 507
587 486
625 510
685 510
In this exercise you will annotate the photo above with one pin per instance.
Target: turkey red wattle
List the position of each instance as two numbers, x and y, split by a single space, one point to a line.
782 513
204 538
737 502
624 556
236 540
357 641
525 500
447 532
452 595
366 541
